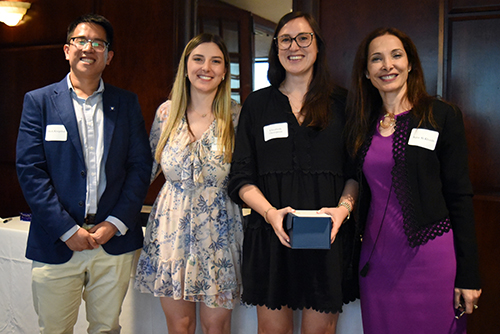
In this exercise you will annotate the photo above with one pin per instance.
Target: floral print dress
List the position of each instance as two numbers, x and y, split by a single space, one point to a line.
192 246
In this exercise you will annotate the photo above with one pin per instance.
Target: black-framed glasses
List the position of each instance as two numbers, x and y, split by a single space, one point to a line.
96 44
303 40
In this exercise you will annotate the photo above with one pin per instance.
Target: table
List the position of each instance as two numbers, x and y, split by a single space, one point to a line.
141 313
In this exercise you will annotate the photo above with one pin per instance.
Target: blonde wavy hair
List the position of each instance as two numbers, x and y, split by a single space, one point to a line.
221 106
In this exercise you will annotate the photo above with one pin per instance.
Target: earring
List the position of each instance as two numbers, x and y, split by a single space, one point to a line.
223 77
367 76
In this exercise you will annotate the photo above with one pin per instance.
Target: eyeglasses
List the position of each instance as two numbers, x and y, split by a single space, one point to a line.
303 40
96 44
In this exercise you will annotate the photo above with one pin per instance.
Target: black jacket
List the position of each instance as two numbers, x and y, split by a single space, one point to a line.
433 188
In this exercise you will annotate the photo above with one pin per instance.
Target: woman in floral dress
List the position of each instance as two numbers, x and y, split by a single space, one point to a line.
192 246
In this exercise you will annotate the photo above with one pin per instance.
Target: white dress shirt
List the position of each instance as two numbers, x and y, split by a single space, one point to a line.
90 119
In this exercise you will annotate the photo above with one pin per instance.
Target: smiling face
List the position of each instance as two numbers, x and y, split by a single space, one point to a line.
87 63
206 68
297 60
388 66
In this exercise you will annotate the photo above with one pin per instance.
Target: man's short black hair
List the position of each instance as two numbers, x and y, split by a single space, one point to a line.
96 19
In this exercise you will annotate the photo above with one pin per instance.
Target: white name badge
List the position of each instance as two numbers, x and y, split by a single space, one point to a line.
273 131
424 138
56 132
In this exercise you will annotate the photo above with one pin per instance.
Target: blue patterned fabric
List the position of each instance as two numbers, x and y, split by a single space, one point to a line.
192 247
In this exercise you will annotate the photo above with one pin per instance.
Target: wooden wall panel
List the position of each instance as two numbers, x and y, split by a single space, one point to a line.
345 23
473 84
144 50
17 78
486 319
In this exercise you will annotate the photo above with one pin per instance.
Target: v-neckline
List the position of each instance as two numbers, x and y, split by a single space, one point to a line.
290 110
203 135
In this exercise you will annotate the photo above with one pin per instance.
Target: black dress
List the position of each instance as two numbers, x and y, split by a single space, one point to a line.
304 170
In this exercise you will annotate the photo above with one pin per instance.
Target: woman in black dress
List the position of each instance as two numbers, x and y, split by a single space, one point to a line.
289 155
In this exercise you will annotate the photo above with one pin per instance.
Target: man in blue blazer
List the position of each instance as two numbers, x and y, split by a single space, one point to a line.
84 163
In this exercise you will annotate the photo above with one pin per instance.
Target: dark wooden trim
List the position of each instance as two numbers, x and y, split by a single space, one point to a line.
262 24
471 9
473 17
489 197
441 76
185 24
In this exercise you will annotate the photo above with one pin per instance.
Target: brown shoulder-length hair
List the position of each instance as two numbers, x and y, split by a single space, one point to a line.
316 105
364 103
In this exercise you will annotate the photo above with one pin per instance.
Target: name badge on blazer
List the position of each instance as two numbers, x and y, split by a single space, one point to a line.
56 132
273 131
424 138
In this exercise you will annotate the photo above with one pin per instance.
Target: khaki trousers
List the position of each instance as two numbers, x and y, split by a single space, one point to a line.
97 277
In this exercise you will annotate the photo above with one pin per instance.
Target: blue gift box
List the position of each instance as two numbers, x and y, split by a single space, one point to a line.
308 229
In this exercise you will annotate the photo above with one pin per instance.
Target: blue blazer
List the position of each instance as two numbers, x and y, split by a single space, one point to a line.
52 174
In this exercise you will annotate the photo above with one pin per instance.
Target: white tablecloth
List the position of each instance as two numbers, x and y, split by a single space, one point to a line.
141 313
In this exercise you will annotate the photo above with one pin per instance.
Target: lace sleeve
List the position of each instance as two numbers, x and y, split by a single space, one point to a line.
154 136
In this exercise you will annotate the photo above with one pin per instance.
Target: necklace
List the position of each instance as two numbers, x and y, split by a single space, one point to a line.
202 115
293 107
388 121
291 102
199 114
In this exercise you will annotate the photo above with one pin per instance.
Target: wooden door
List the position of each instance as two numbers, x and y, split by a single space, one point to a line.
234 25
472 81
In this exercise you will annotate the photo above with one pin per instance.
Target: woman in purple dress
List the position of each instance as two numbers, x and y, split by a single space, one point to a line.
418 263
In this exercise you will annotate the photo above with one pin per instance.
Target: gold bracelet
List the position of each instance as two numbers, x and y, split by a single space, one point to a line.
265 214
347 206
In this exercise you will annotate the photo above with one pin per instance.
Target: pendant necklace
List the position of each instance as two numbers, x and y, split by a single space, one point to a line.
202 115
290 100
388 121
293 107
199 114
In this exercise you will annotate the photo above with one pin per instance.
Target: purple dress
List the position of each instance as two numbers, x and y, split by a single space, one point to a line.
406 290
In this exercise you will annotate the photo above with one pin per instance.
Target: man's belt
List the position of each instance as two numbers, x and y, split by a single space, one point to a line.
89 222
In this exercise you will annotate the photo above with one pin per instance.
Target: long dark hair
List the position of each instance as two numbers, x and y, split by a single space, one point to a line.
317 100
364 103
